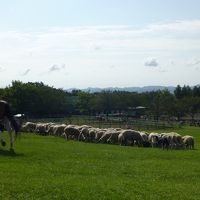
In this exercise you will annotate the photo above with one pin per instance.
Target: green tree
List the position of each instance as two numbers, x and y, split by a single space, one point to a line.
36 99
83 102
178 92
192 105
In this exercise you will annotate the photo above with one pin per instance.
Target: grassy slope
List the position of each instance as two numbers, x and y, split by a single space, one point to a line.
51 168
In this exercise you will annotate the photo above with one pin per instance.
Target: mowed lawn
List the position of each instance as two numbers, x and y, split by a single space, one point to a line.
46 167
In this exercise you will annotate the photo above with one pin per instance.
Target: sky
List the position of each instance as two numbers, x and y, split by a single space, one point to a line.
100 43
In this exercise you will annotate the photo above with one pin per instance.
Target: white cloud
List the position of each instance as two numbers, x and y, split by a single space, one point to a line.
2 68
88 48
179 25
114 39
151 63
194 62
26 72
55 67
162 70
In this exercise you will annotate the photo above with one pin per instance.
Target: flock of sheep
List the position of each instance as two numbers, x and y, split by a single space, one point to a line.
111 135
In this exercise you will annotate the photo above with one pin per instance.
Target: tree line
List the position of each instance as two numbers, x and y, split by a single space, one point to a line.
40 100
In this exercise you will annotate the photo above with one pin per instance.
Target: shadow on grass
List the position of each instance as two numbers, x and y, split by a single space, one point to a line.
10 153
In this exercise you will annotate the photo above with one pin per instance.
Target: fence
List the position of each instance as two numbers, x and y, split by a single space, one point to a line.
138 124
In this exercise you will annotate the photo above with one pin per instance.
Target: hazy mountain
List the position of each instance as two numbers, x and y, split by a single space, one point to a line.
127 89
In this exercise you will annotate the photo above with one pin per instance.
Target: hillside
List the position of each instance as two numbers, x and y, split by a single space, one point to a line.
127 89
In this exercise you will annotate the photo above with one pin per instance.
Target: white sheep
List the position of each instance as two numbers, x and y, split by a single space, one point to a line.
188 141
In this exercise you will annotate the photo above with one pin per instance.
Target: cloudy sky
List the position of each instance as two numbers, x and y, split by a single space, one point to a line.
100 43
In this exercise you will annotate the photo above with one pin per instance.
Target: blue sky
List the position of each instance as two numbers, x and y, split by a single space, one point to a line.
99 43
34 14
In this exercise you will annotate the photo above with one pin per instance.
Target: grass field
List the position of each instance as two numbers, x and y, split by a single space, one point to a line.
52 168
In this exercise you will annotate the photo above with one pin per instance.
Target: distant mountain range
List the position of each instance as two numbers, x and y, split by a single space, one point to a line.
127 89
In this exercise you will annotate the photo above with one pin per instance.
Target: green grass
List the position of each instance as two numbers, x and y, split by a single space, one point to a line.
52 168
